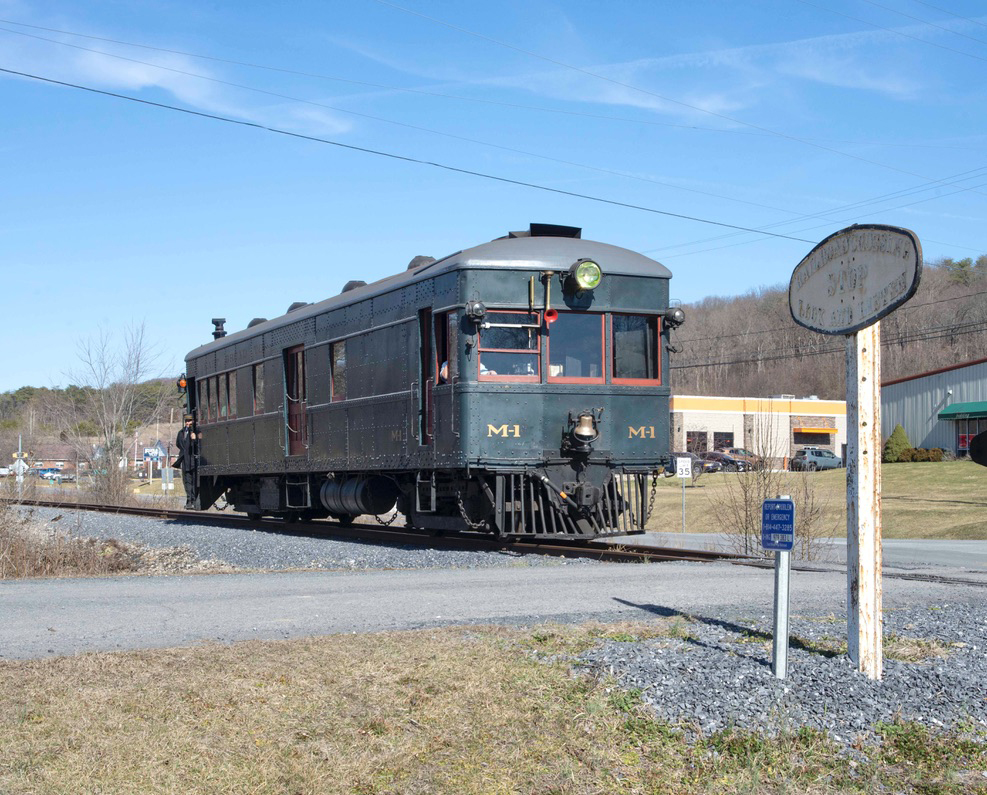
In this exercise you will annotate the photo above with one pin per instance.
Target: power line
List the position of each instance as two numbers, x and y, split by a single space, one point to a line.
794 326
820 226
889 30
461 98
935 184
941 332
393 156
406 125
662 97
952 14
924 21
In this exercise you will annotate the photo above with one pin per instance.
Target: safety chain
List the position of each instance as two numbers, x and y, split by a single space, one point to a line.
386 522
481 525
651 500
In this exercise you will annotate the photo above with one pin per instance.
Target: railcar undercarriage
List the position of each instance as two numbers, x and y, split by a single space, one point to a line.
508 503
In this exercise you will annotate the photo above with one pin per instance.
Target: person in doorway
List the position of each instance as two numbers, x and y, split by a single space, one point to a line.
188 454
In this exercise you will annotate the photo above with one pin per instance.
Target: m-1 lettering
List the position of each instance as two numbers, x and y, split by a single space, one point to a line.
641 432
504 430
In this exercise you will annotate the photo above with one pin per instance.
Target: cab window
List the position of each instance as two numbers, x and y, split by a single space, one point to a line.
575 348
635 349
509 345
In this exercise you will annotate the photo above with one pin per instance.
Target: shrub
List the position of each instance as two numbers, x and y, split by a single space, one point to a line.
895 446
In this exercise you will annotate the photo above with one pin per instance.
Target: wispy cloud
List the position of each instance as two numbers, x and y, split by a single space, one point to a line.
185 79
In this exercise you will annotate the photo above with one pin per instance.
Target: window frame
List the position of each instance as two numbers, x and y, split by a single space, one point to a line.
657 342
535 378
559 379
336 377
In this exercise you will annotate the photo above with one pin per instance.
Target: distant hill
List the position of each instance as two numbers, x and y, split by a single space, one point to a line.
749 344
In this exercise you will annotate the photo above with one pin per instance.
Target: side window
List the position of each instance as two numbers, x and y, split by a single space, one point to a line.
575 348
509 346
232 390
635 350
258 378
443 328
203 386
337 365
213 399
224 400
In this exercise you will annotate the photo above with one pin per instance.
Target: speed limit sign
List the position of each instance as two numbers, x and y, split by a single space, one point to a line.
683 467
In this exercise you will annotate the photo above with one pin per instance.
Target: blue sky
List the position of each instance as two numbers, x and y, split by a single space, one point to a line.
797 118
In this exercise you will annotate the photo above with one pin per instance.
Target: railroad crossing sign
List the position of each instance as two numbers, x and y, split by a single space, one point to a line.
845 285
20 467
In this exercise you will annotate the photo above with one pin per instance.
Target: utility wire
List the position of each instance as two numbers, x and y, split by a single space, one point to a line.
406 125
924 21
461 98
829 223
662 97
794 326
393 156
888 30
940 333
952 14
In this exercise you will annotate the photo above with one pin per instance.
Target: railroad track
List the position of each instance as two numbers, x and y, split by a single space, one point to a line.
628 553
598 550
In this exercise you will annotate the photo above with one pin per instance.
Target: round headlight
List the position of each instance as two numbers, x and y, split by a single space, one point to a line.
587 274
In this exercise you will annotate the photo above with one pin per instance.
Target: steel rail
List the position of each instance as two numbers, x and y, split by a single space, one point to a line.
598 550
369 532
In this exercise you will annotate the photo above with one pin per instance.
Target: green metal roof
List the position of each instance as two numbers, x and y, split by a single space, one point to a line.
964 411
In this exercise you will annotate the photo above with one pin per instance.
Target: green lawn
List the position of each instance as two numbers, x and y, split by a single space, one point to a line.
936 501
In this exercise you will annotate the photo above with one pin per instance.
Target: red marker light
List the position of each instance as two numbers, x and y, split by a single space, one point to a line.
551 316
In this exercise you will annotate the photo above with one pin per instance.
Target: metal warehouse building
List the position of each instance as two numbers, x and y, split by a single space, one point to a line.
776 426
942 408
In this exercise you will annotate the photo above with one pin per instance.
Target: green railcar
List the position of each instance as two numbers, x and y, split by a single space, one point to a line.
517 388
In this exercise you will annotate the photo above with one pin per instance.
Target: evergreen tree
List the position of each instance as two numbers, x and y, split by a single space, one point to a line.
896 444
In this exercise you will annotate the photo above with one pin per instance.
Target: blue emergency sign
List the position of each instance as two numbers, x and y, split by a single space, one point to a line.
778 525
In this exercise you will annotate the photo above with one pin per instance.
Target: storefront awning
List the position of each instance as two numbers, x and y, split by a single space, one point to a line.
813 430
964 411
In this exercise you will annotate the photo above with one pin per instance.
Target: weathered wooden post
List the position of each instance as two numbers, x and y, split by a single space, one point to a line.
845 285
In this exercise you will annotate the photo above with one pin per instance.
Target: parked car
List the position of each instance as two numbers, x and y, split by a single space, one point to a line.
4 472
743 454
728 462
699 464
48 473
812 458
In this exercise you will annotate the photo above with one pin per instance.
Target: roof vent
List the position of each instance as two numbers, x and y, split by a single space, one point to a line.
296 305
352 285
421 259
256 322
219 331
549 230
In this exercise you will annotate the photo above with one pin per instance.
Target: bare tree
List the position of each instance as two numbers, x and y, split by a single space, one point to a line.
738 506
113 399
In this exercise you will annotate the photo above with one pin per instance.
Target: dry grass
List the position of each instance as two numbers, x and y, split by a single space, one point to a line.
922 500
31 549
457 710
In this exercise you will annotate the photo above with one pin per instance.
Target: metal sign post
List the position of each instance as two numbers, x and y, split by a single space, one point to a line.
845 285
683 470
778 534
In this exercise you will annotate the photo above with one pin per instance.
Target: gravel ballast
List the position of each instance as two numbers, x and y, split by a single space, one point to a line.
714 674
219 547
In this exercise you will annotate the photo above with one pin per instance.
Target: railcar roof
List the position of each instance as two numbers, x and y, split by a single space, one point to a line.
516 253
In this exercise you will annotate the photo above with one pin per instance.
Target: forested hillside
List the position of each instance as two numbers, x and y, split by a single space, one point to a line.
750 346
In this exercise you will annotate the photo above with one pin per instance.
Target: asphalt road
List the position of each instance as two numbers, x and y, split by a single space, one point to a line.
42 618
